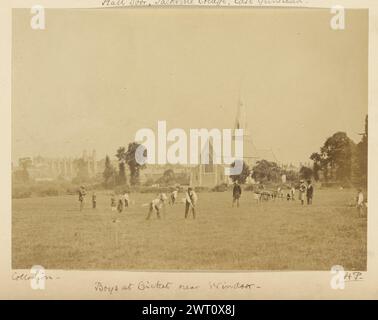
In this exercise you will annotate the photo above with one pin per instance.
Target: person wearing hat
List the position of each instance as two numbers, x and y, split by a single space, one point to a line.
302 192
190 202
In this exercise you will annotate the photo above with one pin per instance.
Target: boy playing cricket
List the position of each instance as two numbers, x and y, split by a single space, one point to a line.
190 202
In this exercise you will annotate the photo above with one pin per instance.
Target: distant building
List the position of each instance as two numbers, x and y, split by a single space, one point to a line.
290 167
45 168
209 175
152 172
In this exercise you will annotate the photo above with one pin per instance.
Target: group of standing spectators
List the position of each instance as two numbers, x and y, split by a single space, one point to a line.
306 192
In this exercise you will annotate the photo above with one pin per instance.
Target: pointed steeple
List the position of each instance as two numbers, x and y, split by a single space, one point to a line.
249 149
241 117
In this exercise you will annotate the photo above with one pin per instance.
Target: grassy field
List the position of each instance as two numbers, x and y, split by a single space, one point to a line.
275 235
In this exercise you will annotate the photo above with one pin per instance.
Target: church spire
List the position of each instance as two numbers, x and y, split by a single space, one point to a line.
241 117
249 149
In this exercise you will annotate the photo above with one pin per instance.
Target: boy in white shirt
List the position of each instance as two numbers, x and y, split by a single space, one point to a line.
157 204
302 192
292 193
126 199
190 202
360 203
173 197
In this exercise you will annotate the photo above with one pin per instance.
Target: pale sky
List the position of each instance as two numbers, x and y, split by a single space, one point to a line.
92 78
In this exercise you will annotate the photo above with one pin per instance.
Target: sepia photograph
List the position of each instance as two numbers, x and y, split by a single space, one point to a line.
189 140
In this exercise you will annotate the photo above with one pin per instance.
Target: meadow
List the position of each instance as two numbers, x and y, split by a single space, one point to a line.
274 235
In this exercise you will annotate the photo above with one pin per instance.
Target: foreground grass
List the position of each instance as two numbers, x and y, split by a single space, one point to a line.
278 235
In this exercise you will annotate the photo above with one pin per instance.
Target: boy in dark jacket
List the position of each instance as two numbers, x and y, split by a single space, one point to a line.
310 192
236 193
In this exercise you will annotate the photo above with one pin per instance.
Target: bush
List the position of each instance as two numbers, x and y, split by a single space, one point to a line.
154 190
48 192
220 187
201 189
20 193
72 190
149 182
121 189
332 185
43 189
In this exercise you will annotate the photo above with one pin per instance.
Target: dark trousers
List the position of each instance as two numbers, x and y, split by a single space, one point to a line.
126 204
94 204
188 206
235 199
309 199
151 210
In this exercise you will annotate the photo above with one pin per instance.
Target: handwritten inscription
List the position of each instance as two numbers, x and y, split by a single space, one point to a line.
188 287
236 285
128 3
17 276
145 285
106 288
111 289
353 276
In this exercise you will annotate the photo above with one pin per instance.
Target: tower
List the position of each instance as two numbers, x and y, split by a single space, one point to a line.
250 154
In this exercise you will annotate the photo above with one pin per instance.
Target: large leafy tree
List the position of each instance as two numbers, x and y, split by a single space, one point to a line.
109 173
242 177
291 175
335 158
168 177
317 166
266 171
134 165
362 155
305 173
340 159
121 156
337 155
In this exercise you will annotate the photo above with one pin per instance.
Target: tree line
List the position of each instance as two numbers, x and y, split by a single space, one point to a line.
339 160
113 177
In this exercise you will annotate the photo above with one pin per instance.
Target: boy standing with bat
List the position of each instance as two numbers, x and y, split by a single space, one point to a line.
190 202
